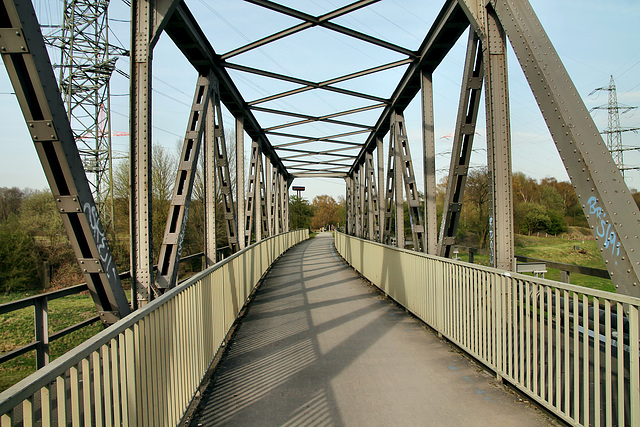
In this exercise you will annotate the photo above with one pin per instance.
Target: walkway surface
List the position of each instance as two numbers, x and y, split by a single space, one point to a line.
319 346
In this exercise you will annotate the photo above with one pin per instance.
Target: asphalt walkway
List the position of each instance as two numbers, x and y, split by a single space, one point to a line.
320 347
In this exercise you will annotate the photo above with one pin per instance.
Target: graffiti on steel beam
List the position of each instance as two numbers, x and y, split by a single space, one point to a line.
604 228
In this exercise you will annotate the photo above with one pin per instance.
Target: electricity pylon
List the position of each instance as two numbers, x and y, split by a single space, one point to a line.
87 62
614 131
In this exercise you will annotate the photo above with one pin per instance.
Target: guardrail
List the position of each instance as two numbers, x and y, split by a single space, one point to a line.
40 304
146 369
572 349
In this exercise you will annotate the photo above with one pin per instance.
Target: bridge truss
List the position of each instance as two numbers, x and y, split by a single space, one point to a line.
375 206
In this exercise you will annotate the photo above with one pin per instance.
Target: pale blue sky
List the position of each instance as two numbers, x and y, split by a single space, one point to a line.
595 39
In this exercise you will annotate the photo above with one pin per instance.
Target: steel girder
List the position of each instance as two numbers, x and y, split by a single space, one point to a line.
373 209
498 145
171 248
382 209
468 108
27 62
405 162
256 212
429 165
240 194
210 188
253 194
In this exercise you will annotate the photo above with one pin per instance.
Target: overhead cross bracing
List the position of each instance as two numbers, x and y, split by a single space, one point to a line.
344 130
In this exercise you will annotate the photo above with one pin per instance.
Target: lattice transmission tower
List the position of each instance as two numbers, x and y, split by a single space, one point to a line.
87 62
614 130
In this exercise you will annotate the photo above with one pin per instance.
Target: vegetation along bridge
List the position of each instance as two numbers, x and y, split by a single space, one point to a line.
317 346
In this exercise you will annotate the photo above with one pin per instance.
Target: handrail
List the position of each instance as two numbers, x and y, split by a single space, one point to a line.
574 350
40 304
161 350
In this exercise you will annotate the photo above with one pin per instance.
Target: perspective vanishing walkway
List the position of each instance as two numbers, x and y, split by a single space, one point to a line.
319 346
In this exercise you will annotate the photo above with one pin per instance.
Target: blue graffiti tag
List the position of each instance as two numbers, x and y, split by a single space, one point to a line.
604 227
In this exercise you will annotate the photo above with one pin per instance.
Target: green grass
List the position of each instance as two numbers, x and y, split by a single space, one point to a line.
17 329
560 250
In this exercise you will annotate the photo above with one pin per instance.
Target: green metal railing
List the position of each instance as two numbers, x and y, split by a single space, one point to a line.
572 349
146 369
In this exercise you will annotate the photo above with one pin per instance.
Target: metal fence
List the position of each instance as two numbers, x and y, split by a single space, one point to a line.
572 349
145 369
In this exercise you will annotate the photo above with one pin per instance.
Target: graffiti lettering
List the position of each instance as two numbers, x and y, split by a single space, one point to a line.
101 241
604 227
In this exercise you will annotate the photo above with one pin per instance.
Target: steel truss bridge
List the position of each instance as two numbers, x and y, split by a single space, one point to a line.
257 219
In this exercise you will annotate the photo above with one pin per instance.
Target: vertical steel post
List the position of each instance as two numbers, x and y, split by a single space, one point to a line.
429 164
372 199
347 200
140 152
498 144
264 213
390 193
397 179
210 180
268 172
41 317
287 205
249 216
257 196
240 196
382 205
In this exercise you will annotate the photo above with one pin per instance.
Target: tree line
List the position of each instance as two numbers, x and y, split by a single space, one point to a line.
34 246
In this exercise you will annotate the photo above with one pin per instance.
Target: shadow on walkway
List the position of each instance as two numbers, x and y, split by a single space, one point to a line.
319 346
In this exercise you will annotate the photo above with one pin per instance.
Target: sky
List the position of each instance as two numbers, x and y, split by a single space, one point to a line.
595 39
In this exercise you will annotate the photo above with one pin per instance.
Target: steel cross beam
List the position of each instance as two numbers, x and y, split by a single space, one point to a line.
309 85
326 118
171 249
312 20
468 108
27 62
187 35
445 32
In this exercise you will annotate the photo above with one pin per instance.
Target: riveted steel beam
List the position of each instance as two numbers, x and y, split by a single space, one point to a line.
223 174
468 108
240 195
405 162
27 63
171 248
210 187
501 239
